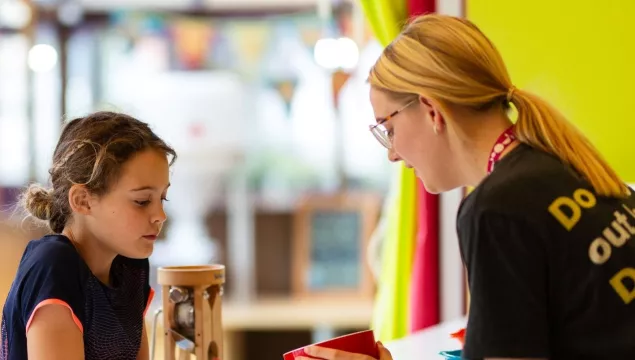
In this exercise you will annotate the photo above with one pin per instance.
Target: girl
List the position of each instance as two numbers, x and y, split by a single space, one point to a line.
82 292
546 234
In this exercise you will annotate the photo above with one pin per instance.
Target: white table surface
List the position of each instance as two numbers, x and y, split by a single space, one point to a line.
426 344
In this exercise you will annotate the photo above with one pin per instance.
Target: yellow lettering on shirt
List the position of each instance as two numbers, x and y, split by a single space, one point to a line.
569 210
618 284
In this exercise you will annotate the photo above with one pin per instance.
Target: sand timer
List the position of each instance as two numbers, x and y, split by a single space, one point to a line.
192 311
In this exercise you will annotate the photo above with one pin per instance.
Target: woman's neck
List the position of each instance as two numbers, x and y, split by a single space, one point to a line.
476 139
98 258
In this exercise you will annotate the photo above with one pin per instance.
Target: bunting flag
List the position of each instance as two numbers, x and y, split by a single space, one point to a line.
338 80
251 40
286 89
310 35
192 41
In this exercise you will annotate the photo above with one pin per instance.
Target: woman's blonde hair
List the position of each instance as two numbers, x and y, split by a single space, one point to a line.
450 60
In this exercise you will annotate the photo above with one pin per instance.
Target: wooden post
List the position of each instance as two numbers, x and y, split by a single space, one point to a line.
168 340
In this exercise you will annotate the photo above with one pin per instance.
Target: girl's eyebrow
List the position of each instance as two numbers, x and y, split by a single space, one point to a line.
148 188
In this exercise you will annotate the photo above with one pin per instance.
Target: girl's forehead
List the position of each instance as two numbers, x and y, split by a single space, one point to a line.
148 168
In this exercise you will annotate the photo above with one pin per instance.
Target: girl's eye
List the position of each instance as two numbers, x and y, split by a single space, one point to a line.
147 202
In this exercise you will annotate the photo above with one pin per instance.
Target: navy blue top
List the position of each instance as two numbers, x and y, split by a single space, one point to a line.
110 317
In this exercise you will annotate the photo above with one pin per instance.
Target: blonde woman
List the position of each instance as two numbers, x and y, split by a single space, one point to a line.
546 234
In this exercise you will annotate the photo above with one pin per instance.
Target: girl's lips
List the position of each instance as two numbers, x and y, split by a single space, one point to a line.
150 237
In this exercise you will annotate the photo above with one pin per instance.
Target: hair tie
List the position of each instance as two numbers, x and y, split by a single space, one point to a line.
510 93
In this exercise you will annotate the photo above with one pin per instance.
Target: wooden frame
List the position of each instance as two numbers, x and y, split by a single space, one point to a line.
205 283
322 208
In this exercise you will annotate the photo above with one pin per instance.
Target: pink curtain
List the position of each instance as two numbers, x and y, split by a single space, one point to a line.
420 7
424 282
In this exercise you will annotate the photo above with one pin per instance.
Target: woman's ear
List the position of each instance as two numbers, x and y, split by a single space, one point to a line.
79 199
435 116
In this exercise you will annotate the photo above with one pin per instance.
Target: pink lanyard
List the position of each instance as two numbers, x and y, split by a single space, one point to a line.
502 143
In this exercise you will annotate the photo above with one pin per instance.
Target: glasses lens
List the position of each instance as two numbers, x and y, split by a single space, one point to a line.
381 134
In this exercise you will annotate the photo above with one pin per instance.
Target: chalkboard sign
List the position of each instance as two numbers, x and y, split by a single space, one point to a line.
330 240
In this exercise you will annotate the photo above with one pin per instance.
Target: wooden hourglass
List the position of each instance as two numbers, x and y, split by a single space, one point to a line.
192 311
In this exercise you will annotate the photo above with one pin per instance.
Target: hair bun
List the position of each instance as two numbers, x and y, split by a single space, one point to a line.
38 201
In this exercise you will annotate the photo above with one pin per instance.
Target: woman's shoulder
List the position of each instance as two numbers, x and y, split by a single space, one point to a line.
525 181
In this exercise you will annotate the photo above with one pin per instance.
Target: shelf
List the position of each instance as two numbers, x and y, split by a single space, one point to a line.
296 314
279 314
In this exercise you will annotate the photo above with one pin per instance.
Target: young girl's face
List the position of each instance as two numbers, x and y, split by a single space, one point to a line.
128 218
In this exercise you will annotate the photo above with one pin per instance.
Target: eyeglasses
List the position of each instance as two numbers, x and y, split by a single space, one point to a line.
383 135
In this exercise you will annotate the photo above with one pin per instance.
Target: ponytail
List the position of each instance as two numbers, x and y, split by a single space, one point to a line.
543 127
449 59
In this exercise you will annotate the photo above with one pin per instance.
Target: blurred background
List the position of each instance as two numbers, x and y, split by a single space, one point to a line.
266 103
278 178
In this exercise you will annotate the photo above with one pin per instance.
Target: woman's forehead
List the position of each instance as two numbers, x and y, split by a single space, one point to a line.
378 96
382 104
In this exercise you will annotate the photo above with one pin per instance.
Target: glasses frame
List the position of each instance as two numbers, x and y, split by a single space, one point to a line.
381 133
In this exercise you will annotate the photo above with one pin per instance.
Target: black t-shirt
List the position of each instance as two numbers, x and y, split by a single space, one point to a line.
551 265
110 317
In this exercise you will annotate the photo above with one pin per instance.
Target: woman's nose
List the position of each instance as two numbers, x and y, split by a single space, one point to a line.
392 155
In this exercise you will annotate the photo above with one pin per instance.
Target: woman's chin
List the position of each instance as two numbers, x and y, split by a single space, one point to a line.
434 188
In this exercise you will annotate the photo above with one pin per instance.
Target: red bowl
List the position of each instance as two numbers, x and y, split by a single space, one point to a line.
362 342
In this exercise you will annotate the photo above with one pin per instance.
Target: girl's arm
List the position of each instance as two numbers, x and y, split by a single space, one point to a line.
144 351
53 334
